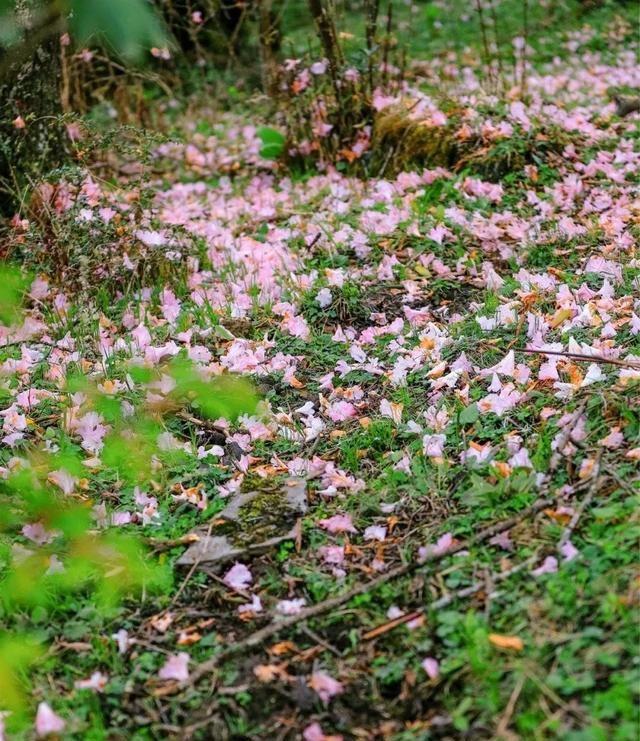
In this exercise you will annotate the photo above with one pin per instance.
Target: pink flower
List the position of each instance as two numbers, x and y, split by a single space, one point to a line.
122 639
314 732
341 410
433 445
296 326
97 682
319 68
176 667
569 551
141 336
325 686
37 533
91 431
506 367
549 566
324 298
170 306
391 410
431 667
290 606
441 546
502 540
47 721
613 440
338 524
238 577
63 480
253 607
333 554
375 532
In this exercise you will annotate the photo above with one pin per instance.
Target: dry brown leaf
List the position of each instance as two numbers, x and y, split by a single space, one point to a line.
75 645
284 647
560 316
187 638
270 672
561 517
511 643
161 623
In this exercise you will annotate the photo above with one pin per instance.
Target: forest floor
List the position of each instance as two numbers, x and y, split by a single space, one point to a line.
428 526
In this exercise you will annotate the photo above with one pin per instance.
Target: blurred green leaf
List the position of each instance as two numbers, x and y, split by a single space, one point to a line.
16 654
130 27
13 284
273 143
223 396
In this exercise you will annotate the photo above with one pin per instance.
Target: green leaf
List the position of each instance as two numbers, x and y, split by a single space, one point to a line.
14 285
272 143
469 415
17 652
130 27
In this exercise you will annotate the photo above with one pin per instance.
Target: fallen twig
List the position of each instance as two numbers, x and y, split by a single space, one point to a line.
206 423
504 721
448 599
584 503
269 631
579 356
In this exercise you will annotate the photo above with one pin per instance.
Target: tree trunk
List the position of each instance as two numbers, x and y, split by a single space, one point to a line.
269 33
32 139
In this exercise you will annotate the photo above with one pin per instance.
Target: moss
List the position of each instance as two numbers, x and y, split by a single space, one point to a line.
400 142
267 515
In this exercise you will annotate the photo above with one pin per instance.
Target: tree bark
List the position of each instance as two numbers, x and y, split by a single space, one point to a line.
32 138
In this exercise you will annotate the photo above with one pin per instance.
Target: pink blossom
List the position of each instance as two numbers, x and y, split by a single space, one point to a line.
314 732
47 722
122 639
170 306
333 554
568 551
176 667
91 431
38 534
96 682
290 606
442 545
255 606
375 532
324 298
613 440
238 577
549 566
325 686
338 524
340 411
433 445
63 480
431 667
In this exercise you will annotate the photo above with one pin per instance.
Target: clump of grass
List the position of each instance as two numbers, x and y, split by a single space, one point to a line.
401 141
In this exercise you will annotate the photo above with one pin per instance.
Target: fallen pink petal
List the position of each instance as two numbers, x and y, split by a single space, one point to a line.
47 722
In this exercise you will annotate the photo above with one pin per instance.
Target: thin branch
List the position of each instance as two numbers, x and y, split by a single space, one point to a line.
273 629
448 599
584 503
581 357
